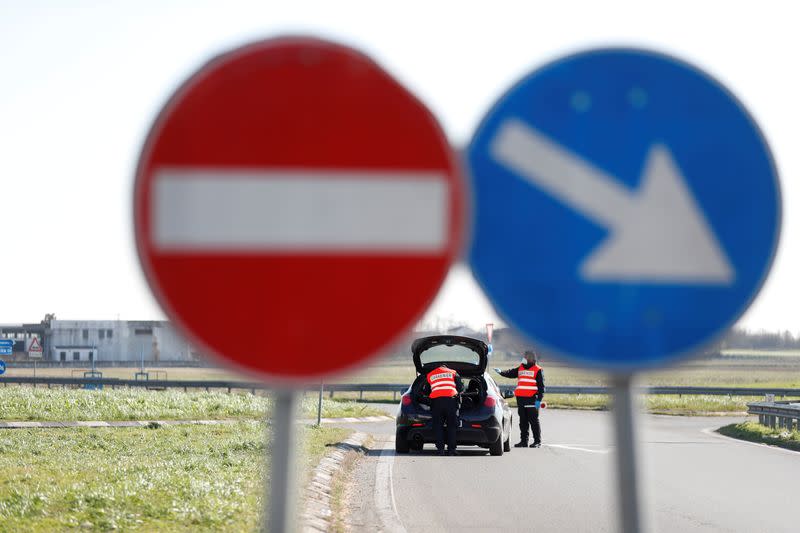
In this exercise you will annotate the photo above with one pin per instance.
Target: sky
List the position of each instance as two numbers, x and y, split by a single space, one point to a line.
82 84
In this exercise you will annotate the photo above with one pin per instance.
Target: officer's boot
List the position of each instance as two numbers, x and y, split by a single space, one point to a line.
522 444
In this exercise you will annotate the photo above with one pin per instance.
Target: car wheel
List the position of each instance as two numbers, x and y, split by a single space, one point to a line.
400 444
496 448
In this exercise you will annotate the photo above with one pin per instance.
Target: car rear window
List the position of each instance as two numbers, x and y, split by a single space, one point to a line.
454 354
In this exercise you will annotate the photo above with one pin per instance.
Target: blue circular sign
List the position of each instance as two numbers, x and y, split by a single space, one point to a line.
2 367
627 208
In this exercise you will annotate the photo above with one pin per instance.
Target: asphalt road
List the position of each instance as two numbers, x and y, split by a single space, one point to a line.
696 480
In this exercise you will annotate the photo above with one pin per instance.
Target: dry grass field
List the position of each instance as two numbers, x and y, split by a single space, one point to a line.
761 370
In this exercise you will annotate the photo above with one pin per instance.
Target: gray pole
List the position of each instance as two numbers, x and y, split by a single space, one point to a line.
319 405
625 412
279 509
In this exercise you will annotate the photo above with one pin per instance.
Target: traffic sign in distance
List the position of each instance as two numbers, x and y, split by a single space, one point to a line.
2 367
35 349
627 208
296 209
6 346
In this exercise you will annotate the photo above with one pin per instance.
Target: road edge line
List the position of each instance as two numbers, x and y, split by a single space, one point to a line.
604 451
385 503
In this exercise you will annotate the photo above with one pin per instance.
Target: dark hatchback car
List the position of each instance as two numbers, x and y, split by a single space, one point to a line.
484 416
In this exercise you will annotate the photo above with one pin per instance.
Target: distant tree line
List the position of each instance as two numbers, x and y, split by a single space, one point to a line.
745 339
509 343
737 338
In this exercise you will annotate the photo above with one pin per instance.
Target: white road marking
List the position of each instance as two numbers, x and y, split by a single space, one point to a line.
325 211
577 448
385 503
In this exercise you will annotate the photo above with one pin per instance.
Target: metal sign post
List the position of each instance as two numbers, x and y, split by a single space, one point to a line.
319 405
625 412
279 508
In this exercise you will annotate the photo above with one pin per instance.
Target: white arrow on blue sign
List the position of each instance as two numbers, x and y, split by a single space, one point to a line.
6 346
627 208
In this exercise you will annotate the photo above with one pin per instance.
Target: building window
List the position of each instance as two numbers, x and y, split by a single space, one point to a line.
102 333
76 356
91 356
109 333
143 331
86 334
63 356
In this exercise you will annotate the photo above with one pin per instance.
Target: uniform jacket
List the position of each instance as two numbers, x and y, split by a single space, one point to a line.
426 387
514 373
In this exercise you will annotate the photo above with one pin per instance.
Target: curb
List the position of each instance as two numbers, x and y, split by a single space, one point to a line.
151 423
317 513
112 424
350 419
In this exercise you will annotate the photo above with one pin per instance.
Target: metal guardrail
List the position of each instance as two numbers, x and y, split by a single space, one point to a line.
361 388
150 384
776 414
723 391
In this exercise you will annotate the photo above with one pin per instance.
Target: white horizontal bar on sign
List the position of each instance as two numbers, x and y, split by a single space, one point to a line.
311 211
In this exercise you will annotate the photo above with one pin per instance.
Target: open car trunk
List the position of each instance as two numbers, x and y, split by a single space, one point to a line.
472 396
465 355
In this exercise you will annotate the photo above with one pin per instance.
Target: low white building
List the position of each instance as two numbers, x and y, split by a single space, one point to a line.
115 340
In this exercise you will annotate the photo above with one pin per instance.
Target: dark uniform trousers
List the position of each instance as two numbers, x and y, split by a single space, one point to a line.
445 409
528 415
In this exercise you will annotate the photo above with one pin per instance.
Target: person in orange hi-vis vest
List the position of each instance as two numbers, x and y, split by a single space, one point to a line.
529 394
443 387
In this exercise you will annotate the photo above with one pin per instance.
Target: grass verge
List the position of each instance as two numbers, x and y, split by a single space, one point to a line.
698 405
340 482
188 478
657 404
755 432
340 408
37 404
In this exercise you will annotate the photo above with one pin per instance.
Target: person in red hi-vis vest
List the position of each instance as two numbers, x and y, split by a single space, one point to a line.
529 394
444 385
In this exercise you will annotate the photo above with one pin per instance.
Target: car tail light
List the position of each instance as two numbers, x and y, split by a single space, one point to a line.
489 401
417 425
475 425
405 399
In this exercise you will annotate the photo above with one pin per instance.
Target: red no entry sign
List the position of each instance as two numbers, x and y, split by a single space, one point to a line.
295 208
